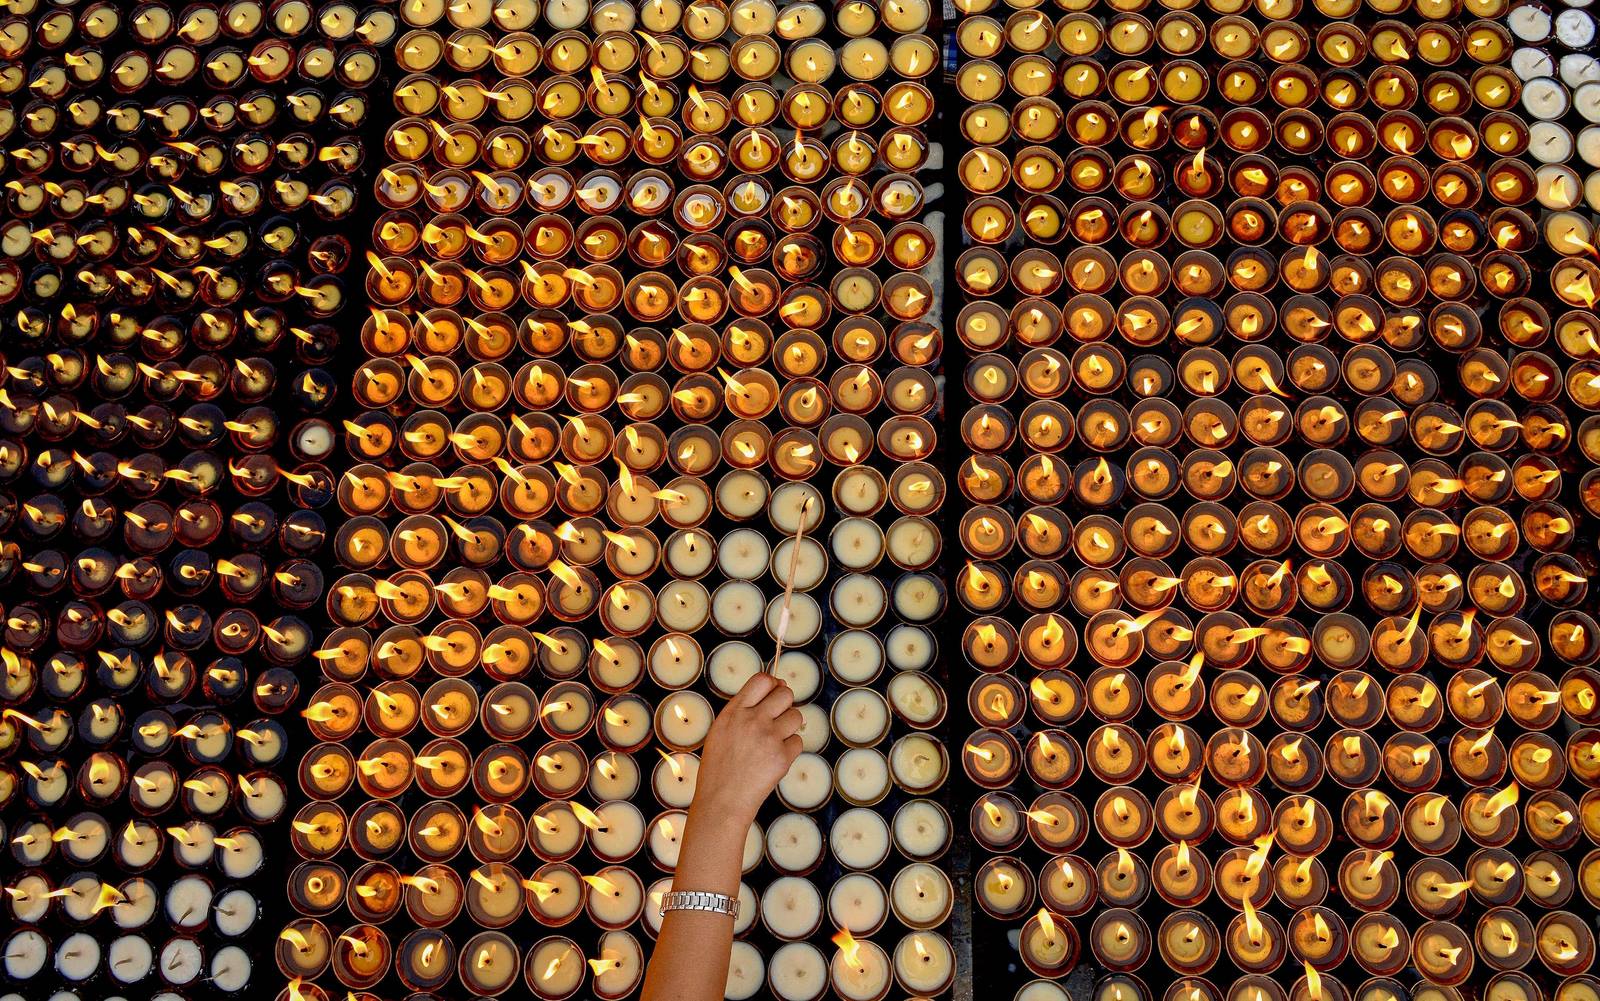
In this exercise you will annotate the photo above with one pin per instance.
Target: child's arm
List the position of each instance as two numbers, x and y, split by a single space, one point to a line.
751 746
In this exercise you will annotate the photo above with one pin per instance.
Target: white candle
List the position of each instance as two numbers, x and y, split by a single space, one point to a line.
683 719
1549 142
924 963
555 967
616 897
674 777
746 972
861 775
1589 145
82 896
855 657
913 542
859 839
789 501
910 648
797 620
1042 990
859 971
683 605
742 554
794 843
239 851
25 954
1575 29
666 838
1531 63
730 665
138 844
235 912
814 732
264 798
689 553
675 661
625 722
857 544
860 717
916 698
613 775
921 829
857 903
858 600
1530 23
736 607
1586 101
557 834
181 961
921 896
29 903
918 597
78 956
791 908
91 834
741 494
1579 68
189 902
809 567
798 972
807 784
619 965
754 840
918 763
138 906
230 969
129 959
1559 186
1545 98
620 833
800 671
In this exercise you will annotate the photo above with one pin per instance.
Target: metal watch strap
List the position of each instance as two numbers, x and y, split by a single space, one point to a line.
700 900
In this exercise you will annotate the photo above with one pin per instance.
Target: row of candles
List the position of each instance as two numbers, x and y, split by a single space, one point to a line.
1272 381
1561 88
635 343
173 263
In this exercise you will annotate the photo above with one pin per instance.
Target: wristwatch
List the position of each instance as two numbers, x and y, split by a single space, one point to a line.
700 900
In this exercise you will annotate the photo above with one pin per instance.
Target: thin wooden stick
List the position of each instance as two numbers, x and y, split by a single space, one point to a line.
788 585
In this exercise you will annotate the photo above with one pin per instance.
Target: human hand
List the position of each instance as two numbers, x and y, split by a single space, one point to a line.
752 743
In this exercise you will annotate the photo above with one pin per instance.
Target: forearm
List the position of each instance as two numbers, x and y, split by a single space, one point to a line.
690 960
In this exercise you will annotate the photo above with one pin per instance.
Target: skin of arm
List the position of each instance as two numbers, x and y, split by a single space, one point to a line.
751 745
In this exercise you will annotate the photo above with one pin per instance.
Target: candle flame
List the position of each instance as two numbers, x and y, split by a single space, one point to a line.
1043 817
603 885
1047 924
1500 802
587 817
849 948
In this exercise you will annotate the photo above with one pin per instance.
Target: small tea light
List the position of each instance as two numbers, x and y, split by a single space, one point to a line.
860 970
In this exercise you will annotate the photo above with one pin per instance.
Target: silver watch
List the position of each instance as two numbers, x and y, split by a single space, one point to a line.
700 900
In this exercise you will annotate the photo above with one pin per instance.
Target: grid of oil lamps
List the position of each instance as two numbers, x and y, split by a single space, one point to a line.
169 264
1279 445
643 409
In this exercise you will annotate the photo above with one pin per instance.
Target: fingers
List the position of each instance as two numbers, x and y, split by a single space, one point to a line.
777 701
790 722
756 689
792 746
